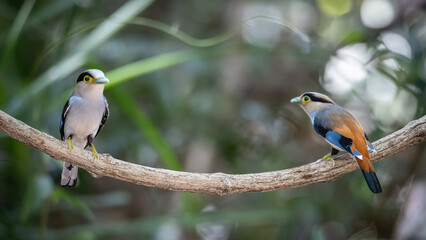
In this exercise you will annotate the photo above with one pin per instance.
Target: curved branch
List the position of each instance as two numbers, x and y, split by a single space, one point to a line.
211 183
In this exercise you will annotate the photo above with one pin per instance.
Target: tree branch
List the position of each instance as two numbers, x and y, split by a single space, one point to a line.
211 183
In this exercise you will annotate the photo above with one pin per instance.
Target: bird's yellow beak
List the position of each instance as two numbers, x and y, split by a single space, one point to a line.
296 100
101 80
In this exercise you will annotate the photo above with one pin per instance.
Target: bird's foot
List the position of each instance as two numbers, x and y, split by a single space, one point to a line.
327 157
70 146
95 154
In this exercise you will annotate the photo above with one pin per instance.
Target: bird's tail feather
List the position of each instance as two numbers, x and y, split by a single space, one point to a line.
372 181
69 175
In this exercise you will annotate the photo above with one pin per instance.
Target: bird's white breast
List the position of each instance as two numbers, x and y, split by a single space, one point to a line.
83 119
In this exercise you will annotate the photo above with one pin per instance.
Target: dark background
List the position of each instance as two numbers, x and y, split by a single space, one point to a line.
204 86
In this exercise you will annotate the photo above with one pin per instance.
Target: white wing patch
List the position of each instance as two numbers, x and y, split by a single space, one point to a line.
357 154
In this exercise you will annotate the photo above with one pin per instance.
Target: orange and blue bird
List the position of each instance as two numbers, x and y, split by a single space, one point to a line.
342 131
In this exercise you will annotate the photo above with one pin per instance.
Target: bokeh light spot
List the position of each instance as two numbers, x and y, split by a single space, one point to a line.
335 7
261 33
377 13
346 68
396 43
380 88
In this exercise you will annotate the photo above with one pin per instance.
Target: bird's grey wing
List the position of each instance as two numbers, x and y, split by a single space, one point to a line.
69 172
325 126
63 117
104 117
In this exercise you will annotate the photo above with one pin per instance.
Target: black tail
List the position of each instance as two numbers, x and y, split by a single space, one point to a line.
372 181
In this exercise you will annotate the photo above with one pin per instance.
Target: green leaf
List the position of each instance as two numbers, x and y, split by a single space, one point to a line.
183 36
284 24
353 37
148 65
129 106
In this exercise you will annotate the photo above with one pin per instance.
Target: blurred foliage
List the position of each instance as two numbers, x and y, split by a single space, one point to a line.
204 86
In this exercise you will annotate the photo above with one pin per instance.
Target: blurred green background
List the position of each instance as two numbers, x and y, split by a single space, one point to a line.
204 86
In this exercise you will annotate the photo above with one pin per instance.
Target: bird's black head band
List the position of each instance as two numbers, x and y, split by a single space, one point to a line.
317 99
82 75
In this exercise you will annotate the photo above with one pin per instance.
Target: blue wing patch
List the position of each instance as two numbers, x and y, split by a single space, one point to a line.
335 138
339 140
342 142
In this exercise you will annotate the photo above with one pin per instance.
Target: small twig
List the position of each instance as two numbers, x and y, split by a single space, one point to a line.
211 183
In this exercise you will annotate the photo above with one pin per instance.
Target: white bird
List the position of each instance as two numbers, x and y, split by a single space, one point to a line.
83 116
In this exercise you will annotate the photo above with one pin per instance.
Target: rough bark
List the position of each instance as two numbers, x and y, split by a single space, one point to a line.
211 183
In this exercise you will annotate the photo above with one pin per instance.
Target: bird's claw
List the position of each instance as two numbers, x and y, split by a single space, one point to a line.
95 154
327 157
70 146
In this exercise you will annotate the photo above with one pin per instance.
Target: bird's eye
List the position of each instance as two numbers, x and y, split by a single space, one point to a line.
306 99
87 78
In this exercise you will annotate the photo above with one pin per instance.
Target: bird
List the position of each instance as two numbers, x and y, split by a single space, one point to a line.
83 116
342 131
